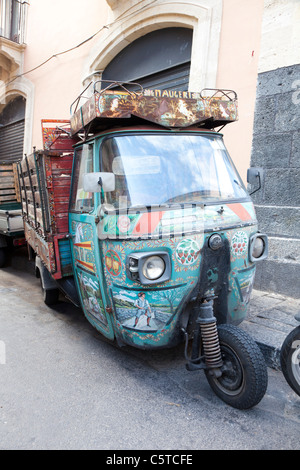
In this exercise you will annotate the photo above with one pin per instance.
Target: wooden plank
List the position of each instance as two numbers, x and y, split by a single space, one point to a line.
64 165
4 187
8 198
61 192
31 213
34 181
16 182
32 197
7 180
31 162
10 191
37 198
23 166
4 190
5 167
39 218
43 248
24 207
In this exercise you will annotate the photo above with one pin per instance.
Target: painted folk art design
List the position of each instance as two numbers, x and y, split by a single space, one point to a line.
91 296
147 311
153 310
165 107
187 251
84 256
239 243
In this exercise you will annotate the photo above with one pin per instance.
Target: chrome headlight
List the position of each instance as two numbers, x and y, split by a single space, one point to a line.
153 267
215 242
258 247
149 267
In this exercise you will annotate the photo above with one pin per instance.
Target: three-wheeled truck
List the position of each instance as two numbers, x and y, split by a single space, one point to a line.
11 222
146 224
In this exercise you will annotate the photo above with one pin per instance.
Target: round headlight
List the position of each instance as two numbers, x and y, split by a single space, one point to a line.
258 247
153 267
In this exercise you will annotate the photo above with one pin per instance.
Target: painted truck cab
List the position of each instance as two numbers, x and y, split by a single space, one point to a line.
136 212
157 216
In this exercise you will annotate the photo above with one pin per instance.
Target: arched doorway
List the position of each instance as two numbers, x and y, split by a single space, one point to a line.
12 122
159 59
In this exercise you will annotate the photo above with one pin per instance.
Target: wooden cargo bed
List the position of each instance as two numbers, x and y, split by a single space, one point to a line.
11 223
45 179
9 187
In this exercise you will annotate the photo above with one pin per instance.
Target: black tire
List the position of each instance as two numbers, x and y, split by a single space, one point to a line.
2 257
244 378
290 359
50 296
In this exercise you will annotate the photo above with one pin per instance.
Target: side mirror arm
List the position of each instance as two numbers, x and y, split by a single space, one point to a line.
100 182
253 174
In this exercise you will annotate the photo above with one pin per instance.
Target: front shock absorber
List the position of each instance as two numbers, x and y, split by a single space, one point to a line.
209 336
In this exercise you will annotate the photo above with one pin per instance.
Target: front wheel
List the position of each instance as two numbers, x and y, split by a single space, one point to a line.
290 359
244 378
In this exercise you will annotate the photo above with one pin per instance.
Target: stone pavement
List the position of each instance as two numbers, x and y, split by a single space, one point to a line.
269 320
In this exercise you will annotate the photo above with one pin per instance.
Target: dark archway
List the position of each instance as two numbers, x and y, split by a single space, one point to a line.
160 59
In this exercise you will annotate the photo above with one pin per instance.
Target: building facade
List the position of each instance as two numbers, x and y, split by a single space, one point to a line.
51 51
276 146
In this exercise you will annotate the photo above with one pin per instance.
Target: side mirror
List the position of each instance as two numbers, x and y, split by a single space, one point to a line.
255 177
95 182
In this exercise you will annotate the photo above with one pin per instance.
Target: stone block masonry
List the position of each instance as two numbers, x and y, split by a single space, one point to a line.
276 148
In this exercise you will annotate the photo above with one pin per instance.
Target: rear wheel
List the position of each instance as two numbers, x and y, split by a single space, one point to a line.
50 296
244 378
48 285
2 257
290 359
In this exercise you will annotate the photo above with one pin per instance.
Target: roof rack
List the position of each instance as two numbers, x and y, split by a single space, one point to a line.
109 106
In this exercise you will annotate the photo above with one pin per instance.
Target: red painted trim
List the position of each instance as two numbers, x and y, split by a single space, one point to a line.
240 211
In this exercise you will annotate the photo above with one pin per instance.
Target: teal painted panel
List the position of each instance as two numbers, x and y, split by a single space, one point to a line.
65 256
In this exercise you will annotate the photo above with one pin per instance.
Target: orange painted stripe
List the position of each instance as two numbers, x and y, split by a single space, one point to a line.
87 245
240 211
86 265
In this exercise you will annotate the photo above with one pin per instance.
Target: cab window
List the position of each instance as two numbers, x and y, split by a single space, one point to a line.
82 201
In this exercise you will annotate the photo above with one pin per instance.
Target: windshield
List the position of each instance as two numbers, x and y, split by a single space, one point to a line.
162 169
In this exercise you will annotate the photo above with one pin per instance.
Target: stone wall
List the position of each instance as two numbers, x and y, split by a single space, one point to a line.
276 148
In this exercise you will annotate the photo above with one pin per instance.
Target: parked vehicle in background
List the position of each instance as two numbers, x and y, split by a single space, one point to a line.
290 358
11 222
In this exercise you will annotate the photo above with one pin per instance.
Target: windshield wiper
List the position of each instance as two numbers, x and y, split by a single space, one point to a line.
147 206
236 182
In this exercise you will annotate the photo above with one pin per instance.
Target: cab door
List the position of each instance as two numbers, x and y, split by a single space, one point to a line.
87 262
